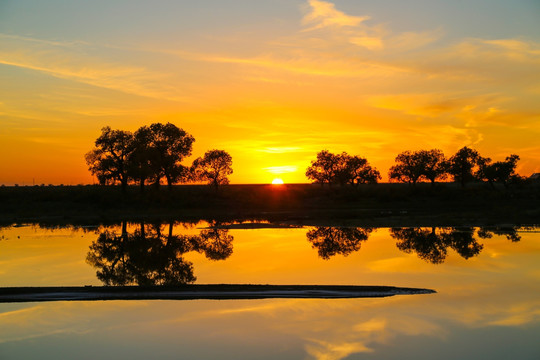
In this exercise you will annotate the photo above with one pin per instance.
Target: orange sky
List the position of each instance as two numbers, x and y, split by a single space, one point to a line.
272 83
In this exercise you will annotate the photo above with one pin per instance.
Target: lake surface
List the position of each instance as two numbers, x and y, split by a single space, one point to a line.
487 303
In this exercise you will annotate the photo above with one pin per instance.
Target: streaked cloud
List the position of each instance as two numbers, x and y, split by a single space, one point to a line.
436 104
281 169
281 149
323 350
412 40
71 61
369 42
324 14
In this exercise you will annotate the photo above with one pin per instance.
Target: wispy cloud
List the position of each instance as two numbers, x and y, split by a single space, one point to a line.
280 149
310 64
412 40
281 169
324 14
323 350
516 47
71 61
26 39
437 104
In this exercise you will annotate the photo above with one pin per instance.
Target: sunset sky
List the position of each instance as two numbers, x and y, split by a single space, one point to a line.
271 82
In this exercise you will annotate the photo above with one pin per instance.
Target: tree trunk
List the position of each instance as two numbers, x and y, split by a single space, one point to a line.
124 229
124 185
143 234
141 185
170 229
169 183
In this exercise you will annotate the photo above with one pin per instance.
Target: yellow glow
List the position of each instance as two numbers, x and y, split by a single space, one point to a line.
281 169
344 81
277 181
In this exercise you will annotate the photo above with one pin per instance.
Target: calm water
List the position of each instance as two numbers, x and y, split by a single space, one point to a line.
487 303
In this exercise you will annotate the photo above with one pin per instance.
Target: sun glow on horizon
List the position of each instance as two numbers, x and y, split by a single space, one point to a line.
273 92
277 181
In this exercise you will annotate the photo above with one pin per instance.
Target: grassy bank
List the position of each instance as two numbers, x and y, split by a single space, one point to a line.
378 204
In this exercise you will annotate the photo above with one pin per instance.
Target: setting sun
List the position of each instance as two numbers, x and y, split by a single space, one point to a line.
277 181
279 84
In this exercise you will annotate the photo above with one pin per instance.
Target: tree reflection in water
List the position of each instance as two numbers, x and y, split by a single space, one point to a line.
508 231
215 242
330 241
432 244
148 257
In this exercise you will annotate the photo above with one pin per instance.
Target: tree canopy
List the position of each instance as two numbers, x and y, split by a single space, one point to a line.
499 171
213 167
167 145
109 160
153 153
418 165
341 169
464 165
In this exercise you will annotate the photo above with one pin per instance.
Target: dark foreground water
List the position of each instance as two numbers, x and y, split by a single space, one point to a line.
487 304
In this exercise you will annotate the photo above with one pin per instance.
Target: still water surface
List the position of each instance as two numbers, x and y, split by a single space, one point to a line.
487 303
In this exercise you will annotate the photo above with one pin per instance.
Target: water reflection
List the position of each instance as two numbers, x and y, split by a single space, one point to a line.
330 241
496 296
430 244
510 232
153 254
174 253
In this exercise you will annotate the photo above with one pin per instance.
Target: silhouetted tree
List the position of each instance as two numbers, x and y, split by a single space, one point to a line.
143 158
500 171
330 241
359 171
214 167
414 166
109 160
341 169
464 165
434 165
408 168
324 169
167 145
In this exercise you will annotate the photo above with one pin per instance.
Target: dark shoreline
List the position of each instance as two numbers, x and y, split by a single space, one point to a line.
384 205
200 292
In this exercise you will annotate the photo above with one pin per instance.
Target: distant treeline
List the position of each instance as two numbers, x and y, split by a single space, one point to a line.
151 154
467 165
156 152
